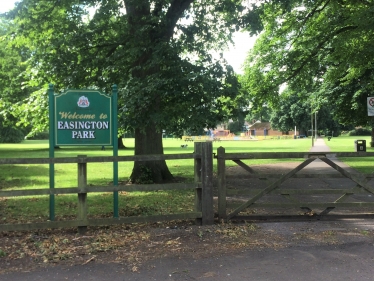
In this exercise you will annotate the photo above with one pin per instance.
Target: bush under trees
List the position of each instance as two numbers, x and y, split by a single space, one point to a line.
360 132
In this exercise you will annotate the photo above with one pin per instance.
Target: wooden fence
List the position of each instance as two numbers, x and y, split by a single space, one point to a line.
203 212
203 186
276 194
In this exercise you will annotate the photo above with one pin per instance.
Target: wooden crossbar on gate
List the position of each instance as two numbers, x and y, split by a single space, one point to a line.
269 188
273 188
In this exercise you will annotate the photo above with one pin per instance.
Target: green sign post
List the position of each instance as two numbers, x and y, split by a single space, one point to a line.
83 117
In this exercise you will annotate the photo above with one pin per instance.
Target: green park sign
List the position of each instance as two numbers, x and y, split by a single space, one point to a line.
83 117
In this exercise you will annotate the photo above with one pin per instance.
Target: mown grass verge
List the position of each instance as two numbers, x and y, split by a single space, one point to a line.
347 144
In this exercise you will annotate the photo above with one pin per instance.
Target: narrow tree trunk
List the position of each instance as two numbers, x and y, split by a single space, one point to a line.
372 137
149 142
120 143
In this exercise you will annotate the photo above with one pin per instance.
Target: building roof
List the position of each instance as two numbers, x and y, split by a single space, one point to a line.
260 126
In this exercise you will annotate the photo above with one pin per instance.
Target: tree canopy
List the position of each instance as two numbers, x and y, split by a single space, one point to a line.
291 112
159 53
13 63
322 50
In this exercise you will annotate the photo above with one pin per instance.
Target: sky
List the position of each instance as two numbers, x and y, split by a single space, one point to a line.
235 55
6 5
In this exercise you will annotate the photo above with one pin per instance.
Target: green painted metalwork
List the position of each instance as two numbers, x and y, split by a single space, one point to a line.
51 152
82 117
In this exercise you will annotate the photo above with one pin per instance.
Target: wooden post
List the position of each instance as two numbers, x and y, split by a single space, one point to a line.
221 175
197 173
115 150
207 183
82 196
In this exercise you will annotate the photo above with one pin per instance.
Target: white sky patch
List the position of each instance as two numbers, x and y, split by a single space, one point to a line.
6 5
236 55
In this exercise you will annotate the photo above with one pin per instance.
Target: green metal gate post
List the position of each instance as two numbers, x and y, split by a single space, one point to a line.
51 151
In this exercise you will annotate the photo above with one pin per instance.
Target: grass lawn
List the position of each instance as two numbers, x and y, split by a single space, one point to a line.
33 176
347 144
100 204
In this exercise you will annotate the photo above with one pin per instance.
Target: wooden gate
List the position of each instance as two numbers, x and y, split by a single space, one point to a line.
349 194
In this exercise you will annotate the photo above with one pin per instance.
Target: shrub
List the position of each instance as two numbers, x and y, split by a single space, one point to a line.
11 135
40 136
360 132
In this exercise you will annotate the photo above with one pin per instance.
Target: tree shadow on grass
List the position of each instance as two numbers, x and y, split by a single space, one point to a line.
33 176
100 205
18 176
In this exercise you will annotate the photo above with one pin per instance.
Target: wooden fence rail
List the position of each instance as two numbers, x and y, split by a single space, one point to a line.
203 186
255 195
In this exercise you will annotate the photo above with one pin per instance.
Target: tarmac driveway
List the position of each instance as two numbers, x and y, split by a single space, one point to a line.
315 250
353 261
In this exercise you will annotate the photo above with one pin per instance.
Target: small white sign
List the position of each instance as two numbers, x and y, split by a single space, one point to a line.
370 105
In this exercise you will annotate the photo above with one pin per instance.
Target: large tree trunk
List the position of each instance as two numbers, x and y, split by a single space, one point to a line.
149 142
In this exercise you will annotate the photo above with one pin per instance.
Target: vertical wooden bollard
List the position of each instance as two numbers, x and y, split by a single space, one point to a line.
204 176
207 181
197 173
221 175
82 194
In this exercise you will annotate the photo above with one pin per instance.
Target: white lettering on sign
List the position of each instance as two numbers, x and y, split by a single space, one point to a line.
83 134
82 129
82 125
69 115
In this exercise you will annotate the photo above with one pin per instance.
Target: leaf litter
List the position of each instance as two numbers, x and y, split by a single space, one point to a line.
129 245
132 245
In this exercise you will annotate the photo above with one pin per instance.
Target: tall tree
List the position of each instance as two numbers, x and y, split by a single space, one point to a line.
321 46
13 63
262 113
291 112
158 52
